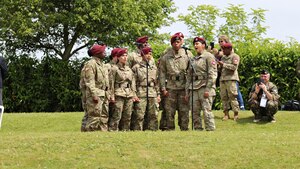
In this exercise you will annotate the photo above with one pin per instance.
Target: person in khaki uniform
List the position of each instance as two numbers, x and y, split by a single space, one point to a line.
173 68
83 95
123 93
298 74
229 75
202 74
264 98
135 57
146 83
94 79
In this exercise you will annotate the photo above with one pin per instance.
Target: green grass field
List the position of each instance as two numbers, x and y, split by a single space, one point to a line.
54 140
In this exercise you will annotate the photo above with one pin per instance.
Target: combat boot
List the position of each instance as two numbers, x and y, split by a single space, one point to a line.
236 116
226 116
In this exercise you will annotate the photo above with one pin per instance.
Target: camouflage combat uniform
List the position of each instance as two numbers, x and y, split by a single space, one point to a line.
83 99
94 82
123 89
173 68
228 88
272 105
204 72
140 72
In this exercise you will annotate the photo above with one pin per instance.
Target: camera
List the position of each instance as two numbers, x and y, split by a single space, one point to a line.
259 81
212 45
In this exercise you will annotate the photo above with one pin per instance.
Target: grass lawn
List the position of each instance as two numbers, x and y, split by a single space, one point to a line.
54 140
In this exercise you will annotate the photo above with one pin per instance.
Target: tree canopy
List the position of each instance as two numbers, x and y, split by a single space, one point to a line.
64 27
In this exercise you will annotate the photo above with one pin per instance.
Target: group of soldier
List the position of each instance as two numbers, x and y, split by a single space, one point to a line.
125 93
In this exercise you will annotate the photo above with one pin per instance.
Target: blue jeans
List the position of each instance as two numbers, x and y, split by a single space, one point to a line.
240 97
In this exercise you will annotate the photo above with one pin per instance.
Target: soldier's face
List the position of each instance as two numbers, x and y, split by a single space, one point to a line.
199 47
123 58
101 55
227 51
265 77
148 56
176 45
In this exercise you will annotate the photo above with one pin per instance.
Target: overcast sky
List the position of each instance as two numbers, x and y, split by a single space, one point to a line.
282 17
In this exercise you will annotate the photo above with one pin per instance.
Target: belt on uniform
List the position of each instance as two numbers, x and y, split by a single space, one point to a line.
144 84
122 85
199 77
176 77
105 88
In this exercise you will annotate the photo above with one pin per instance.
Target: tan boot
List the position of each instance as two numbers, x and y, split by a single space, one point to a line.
226 116
236 116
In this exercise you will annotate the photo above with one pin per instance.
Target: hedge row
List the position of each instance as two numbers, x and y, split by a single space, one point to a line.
51 85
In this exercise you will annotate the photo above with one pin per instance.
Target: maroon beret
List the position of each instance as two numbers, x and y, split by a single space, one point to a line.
145 51
177 36
121 52
114 52
97 49
227 45
142 39
198 39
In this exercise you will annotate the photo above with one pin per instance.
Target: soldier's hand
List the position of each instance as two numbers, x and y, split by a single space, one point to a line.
206 95
158 99
95 99
136 99
220 63
186 98
165 93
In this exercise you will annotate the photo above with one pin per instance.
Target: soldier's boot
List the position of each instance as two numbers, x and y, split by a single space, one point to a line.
236 116
83 129
226 116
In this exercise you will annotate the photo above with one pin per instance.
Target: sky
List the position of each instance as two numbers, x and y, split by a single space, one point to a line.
281 16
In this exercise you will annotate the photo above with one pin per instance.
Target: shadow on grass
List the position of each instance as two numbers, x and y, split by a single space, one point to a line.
249 119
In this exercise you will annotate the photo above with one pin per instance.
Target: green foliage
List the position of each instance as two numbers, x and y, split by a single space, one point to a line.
47 85
277 57
54 140
63 28
202 21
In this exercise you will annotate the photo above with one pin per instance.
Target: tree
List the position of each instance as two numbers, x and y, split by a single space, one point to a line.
239 25
64 27
201 21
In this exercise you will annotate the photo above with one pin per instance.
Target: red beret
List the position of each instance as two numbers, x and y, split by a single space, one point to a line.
198 39
97 49
177 36
121 52
114 52
142 39
145 51
227 45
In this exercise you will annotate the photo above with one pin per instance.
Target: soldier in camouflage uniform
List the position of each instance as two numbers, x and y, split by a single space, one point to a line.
123 93
83 95
203 73
135 57
264 98
229 75
94 79
140 108
113 62
173 67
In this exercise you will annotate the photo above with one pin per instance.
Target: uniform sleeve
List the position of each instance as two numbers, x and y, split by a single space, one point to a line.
251 92
274 91
211 72
112 75
133 84
162 73
234 65
89 78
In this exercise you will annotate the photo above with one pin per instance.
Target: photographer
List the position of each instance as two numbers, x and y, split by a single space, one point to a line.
264 98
